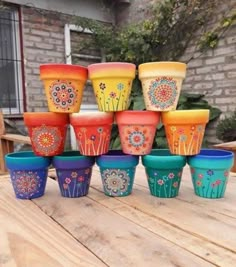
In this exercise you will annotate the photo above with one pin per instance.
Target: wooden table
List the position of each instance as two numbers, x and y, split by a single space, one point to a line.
138 230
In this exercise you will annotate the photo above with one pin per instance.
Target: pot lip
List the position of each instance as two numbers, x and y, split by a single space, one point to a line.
91 118
58 65
117 155
209 154
91 114
115 63
29 155
152 155
164 63
72 154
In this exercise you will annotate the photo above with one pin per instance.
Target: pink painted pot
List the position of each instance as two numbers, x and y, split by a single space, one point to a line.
64 85
92 131
47 131
137 130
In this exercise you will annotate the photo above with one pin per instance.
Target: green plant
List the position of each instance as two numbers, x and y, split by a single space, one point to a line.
226 128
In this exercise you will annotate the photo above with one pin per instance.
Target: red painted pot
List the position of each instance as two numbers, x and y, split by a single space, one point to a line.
47 131
64 85
92 131
137 130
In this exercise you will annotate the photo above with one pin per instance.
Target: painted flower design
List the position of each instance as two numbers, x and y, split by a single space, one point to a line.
63 94
102 86
120 86
137 138
116 181
171 175
112 95
160 182
26 183
175 184
46 139
162 92
210 172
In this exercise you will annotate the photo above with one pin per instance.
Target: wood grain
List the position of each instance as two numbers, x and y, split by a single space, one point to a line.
29 238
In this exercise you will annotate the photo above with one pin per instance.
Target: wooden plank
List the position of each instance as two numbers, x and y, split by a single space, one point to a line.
227 146
200 221
29 238
113 238
17 138
2 125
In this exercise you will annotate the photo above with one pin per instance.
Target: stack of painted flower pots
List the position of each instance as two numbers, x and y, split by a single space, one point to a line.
112 82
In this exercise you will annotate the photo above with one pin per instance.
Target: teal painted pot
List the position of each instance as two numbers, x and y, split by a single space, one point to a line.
210 172
164 172
74 173
117 172
28 173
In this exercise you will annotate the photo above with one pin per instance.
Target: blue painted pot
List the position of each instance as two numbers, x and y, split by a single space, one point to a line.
210 172
117 172
28 173
74 173
164 172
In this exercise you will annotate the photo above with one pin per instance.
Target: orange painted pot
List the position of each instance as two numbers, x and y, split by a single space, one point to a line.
161 84
47 131
92 131
185 130
112 84
137 130
64 85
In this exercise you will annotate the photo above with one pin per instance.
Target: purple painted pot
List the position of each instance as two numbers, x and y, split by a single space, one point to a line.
74 173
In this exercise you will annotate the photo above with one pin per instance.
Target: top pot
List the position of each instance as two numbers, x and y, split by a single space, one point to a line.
161 84
64 85
112 82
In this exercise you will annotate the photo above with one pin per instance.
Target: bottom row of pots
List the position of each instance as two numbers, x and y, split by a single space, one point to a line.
209 170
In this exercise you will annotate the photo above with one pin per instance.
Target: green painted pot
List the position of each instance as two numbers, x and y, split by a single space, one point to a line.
210 172
164 172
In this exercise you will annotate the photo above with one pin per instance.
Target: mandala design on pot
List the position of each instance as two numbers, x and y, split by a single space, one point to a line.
162 92
46 139
115 181
26 183
63 94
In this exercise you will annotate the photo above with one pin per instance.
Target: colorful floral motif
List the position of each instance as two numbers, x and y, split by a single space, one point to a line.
163 183
209 183
185 139
137 139
116 182
74 183
113 96
93 141
47 139
63 94
27 184
163 92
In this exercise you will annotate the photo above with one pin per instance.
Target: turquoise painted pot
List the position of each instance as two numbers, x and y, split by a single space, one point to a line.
210 172
164 172
28 173
74 173
117 172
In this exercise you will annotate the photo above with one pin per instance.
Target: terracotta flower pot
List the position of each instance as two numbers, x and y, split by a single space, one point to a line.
28 174
164 172
137 130
185 130
112 84
210 172
161 84
64 85
47 131
117 172
92 131
74 173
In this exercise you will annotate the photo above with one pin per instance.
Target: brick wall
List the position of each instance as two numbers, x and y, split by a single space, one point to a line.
212 73
43 42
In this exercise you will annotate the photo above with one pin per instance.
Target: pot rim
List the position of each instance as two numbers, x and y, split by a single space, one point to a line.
136 116
185 116
91 118
48 118
209 154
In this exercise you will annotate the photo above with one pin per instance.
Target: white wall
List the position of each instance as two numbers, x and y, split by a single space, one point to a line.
93 9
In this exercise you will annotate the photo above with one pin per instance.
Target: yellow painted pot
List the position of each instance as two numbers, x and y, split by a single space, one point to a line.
161 84
112 82
185 130
64 85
